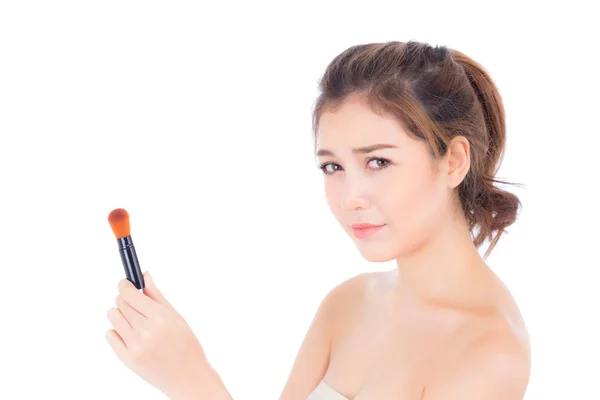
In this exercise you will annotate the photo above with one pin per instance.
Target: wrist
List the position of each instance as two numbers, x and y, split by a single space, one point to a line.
205 385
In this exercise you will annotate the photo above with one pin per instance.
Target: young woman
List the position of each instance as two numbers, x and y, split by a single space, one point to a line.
409 138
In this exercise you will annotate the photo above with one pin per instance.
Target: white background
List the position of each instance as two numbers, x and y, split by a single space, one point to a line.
196 119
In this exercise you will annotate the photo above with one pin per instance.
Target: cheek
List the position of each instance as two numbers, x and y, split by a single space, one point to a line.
332 196
416 205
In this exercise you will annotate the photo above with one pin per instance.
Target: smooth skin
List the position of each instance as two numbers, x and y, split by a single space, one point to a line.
151 338
440 326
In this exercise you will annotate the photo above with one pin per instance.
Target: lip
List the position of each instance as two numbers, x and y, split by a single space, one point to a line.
363 231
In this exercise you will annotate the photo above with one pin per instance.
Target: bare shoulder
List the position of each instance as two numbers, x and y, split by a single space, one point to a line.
346 303
350 287
347 295
495 364
334 313
496 367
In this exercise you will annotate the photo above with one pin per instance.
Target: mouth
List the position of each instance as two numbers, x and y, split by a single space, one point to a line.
363 231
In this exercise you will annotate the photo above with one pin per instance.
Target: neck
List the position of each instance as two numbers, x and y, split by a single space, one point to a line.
447 269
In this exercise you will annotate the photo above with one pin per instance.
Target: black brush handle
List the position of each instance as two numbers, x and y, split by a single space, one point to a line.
130 262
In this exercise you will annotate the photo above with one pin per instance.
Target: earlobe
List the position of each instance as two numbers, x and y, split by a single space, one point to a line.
459 160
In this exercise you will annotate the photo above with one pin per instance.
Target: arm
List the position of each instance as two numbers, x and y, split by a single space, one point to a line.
209 386
312 359
495 368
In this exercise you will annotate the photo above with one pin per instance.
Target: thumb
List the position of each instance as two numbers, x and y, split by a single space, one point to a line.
152 291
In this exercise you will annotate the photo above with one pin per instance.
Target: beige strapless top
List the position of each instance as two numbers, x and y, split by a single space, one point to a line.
324 392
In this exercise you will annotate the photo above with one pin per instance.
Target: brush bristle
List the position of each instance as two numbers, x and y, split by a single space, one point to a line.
119 222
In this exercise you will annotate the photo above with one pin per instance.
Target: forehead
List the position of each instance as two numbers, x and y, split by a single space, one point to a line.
355 123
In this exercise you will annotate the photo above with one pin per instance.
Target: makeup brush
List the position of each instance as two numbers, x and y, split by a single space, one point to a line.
119 222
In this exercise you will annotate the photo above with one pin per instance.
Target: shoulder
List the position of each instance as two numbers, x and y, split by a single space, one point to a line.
333 314
346 301
496 365
352 290
355 290
498 355
500 362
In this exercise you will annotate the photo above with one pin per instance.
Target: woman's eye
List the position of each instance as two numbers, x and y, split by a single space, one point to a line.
374 164
329 168
378 163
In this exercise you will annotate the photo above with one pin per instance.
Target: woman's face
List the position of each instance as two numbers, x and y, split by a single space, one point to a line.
374 173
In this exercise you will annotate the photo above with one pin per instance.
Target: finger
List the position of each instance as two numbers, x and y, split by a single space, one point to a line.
120 324
136 299
132 316
153 292
118 345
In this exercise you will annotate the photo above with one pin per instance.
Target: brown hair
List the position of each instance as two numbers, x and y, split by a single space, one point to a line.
436 93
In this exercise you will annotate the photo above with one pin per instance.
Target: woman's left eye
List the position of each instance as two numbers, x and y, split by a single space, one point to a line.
378 163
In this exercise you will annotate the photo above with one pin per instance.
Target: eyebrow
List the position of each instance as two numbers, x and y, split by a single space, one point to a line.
359 150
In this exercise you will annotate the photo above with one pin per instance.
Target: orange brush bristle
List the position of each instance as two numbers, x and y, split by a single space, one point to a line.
119 222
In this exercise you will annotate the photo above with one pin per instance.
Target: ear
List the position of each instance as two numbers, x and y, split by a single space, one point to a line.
458 159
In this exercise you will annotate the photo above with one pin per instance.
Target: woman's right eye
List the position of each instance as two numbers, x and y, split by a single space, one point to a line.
329 168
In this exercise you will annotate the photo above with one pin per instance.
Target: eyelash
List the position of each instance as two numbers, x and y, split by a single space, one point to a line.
386 164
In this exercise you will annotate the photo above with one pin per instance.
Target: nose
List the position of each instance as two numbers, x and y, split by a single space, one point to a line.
354 195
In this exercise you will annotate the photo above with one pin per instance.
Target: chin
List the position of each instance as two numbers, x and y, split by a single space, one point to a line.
385 251
377 252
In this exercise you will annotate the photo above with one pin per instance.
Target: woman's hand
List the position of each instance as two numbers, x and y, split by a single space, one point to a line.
152 339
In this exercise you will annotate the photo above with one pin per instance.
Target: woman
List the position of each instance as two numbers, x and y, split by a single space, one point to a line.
409 138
